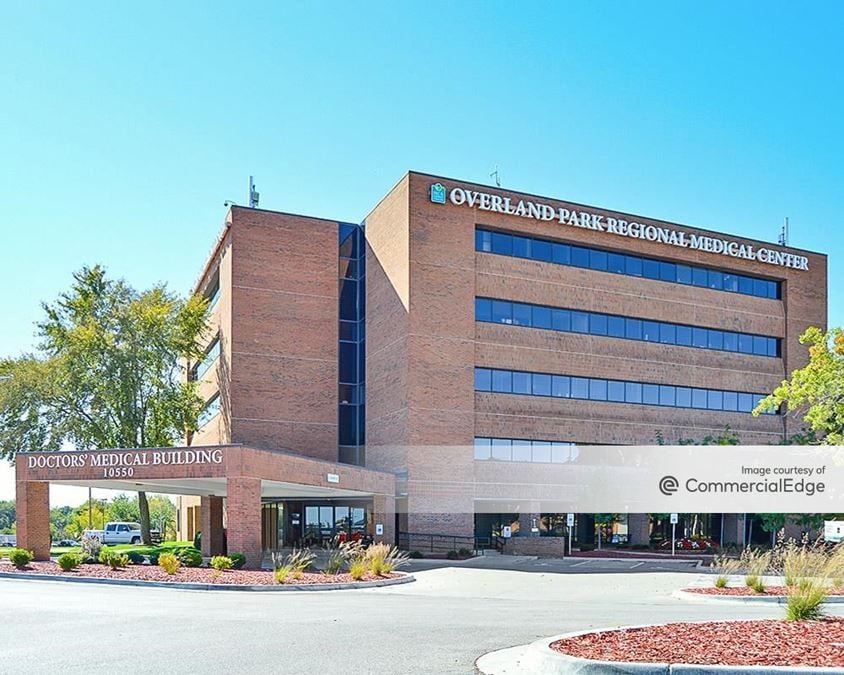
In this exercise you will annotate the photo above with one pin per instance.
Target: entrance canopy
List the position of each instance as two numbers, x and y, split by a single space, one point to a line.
244 475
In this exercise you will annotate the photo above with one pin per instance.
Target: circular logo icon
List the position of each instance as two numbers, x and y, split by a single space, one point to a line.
668 485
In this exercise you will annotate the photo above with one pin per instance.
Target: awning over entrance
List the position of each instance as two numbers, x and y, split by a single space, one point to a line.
244 475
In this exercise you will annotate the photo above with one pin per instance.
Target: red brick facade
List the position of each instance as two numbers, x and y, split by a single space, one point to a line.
277 374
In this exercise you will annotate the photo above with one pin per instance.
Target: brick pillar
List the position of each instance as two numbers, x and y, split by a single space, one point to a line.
211 518
243 517
32 508
733 529
638 529
527 521
384 512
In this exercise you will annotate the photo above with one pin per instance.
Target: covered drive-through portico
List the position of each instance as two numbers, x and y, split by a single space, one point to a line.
232 481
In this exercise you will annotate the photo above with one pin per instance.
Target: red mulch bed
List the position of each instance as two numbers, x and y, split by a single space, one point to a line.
198 575
745 591
729 643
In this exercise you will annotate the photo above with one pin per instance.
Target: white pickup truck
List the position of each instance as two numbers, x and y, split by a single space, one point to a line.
118 533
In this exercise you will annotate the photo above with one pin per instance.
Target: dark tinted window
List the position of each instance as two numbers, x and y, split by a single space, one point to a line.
502 243
521 247
541 250
522 383
541 384
579 387
579 256
598 260
633 266
502 381
483 309
650 269
598 324
541 317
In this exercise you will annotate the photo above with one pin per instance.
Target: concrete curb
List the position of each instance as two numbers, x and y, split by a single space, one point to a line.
705 581
187 586
744 599
538 658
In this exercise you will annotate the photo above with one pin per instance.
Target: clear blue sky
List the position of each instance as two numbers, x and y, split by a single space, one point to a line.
123 130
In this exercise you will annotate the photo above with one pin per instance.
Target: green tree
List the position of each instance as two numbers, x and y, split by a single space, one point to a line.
162 514
60 517
816 391
7 516
125 508
79 519
108 372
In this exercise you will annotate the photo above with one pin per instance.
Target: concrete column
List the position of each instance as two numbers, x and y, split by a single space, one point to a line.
638 529
243 516
32 508
384 512
211 517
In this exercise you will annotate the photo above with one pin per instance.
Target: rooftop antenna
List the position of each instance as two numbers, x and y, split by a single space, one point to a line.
495 175
783 240
253 195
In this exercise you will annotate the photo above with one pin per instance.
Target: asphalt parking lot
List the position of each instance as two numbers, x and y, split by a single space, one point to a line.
441 623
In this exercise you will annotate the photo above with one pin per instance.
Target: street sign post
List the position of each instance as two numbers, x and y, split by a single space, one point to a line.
674 519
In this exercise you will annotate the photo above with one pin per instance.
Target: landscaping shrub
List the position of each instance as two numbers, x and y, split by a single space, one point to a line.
452 555
154 554
221 563
197 541
281 574
113 559
169 563
357 569
135 557
335 555
20 558
756 563
291 565
725 566
415 555
238 560
69 561
189 557
91 547
805 600
382 559
464 553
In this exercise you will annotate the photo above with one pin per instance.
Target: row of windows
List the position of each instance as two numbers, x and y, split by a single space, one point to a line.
593 323
518 246
209 412
208 360
599 389
518 450
351 411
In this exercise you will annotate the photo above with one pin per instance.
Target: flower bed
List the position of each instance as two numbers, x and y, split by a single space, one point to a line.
688 544
729 643
197 575
779 591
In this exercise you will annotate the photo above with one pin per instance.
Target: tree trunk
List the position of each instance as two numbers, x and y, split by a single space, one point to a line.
143 507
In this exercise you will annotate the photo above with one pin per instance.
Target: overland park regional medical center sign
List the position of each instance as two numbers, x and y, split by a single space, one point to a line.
104 464
485 201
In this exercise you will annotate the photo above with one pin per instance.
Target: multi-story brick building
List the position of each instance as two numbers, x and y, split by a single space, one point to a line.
461 331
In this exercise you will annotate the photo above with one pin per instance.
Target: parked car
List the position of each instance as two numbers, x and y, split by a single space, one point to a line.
66 542
121 533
